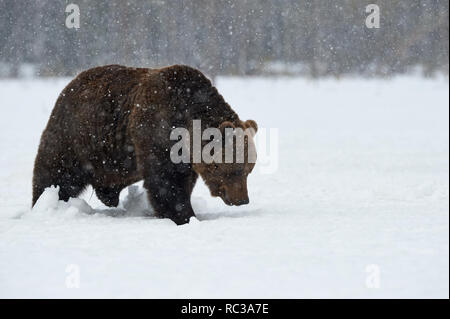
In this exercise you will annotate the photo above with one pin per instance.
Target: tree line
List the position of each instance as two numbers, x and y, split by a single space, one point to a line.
236 37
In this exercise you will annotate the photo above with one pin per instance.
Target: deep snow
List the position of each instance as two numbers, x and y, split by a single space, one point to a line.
360 199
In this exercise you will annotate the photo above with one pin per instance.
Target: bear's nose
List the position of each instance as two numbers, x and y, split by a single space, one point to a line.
242 202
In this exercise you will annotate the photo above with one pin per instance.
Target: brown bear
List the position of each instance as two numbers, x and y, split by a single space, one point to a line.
110 128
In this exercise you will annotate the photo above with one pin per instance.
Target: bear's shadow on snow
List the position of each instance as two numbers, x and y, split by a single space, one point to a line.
136 204
227 214
149 214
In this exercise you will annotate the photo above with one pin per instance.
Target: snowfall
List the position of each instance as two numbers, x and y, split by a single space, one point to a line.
349 199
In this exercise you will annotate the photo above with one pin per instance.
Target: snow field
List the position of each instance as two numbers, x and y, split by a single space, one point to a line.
358 206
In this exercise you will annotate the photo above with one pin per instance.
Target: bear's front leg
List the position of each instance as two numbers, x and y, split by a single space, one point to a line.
169 189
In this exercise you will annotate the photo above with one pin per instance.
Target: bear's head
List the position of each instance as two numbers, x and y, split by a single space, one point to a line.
227 178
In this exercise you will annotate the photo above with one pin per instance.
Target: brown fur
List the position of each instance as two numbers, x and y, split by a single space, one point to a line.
110 128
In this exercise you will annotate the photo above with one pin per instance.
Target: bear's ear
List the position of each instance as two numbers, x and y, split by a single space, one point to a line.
251 124
226 124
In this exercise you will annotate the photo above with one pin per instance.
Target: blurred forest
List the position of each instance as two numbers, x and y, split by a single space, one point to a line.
231 37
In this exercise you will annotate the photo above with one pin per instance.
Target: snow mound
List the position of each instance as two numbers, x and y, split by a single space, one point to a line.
135 204
49 205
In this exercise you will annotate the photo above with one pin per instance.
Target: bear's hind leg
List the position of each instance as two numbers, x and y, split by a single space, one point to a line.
109 195
57 168
71 182
71 188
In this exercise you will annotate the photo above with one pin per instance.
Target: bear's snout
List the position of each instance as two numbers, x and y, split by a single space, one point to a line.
235 194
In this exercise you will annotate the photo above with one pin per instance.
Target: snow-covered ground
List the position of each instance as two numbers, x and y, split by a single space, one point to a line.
358 206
